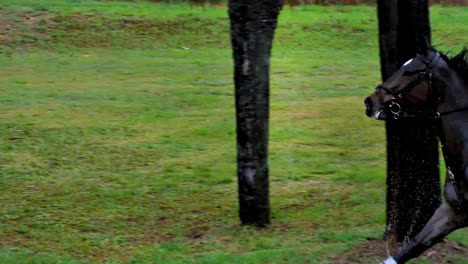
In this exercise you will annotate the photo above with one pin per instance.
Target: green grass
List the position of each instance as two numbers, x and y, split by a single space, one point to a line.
117 135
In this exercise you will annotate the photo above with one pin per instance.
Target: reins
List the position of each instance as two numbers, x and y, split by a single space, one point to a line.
453 111
398 113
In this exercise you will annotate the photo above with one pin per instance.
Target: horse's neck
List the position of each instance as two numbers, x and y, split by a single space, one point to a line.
454 127
454 96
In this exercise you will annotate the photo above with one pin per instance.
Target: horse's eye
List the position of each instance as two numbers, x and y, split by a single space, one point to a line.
409 73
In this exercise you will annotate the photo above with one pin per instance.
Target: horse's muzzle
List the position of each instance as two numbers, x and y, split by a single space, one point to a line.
368 104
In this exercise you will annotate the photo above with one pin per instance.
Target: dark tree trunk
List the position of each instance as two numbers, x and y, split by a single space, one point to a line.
413 184
253 25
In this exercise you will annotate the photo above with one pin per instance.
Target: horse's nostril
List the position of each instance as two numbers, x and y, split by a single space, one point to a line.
368 103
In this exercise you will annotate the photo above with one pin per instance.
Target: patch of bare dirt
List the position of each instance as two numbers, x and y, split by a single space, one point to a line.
374 251
22 28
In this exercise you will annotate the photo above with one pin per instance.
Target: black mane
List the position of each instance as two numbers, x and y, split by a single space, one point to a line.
460 63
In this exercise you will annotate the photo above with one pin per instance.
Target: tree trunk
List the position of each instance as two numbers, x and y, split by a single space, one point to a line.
253 24
413 184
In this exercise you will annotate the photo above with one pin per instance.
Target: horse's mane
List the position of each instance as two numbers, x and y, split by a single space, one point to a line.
460 63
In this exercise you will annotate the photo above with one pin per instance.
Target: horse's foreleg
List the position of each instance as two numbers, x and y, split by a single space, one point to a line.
441 223
451 215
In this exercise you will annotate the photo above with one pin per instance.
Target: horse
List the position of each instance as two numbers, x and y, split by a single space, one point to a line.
432 86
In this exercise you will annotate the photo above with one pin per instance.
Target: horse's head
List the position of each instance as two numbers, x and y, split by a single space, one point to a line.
408 88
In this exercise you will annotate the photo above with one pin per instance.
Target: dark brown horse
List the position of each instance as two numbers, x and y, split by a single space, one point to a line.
433 86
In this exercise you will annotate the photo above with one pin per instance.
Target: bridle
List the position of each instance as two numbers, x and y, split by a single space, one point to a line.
394 106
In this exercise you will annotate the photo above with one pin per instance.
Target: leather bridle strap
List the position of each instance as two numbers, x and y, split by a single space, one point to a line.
452 111
397 113
422 74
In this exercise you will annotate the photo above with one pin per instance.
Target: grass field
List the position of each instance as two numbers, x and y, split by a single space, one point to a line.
117 137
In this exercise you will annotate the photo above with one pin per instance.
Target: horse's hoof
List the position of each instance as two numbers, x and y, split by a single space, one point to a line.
390 260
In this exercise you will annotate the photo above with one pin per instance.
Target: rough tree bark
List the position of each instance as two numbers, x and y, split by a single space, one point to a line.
253 24
413 184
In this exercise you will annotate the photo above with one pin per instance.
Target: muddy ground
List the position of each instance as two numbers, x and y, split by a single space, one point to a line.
374 250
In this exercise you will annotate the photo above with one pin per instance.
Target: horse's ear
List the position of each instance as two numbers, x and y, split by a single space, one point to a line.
424 46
